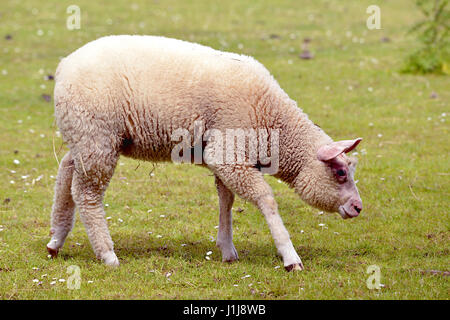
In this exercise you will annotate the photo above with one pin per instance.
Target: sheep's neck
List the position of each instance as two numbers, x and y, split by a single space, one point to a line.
299 140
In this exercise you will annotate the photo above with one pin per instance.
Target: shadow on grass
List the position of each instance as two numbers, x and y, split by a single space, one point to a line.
137 246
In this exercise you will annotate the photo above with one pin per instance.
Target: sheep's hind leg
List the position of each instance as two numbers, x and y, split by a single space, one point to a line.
93 171
225 232
63 210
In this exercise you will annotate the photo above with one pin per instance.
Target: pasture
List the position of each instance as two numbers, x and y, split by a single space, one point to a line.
163 216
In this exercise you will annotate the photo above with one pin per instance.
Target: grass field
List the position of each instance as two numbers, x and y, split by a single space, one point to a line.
352 87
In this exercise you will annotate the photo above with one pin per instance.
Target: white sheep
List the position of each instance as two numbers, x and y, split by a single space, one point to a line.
127 95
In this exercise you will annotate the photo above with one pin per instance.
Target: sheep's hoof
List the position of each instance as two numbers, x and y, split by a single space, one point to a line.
294 267
230 260
230 254
53 252
110 259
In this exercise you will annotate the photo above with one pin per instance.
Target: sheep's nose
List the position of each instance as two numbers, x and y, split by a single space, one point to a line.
357 205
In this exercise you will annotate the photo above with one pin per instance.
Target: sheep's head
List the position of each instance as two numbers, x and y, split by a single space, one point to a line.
327 181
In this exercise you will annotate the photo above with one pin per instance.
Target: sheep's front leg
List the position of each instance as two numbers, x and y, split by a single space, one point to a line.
268 207
249 184
225 232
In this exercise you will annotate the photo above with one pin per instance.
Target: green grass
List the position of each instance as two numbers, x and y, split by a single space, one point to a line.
403 177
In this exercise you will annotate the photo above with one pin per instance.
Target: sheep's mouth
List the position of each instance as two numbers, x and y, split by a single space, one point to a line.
345 214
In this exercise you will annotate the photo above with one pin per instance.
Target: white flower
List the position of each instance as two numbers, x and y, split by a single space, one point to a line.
209 253
16 161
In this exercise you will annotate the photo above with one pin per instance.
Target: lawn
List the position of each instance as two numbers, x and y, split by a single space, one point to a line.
163 216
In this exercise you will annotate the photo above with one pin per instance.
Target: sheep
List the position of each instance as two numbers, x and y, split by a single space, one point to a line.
127 95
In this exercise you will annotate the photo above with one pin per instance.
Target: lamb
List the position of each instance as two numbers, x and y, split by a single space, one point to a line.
127 95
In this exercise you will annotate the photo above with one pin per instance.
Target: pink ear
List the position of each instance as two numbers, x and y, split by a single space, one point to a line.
332 150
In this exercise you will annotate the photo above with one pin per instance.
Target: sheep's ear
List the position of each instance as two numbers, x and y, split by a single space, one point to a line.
332 150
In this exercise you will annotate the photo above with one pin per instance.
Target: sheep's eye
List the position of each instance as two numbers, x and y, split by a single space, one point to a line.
341 173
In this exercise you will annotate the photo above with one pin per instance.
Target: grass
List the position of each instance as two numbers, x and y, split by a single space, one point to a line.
351 88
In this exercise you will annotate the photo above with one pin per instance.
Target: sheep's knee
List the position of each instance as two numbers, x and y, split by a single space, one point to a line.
268 204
